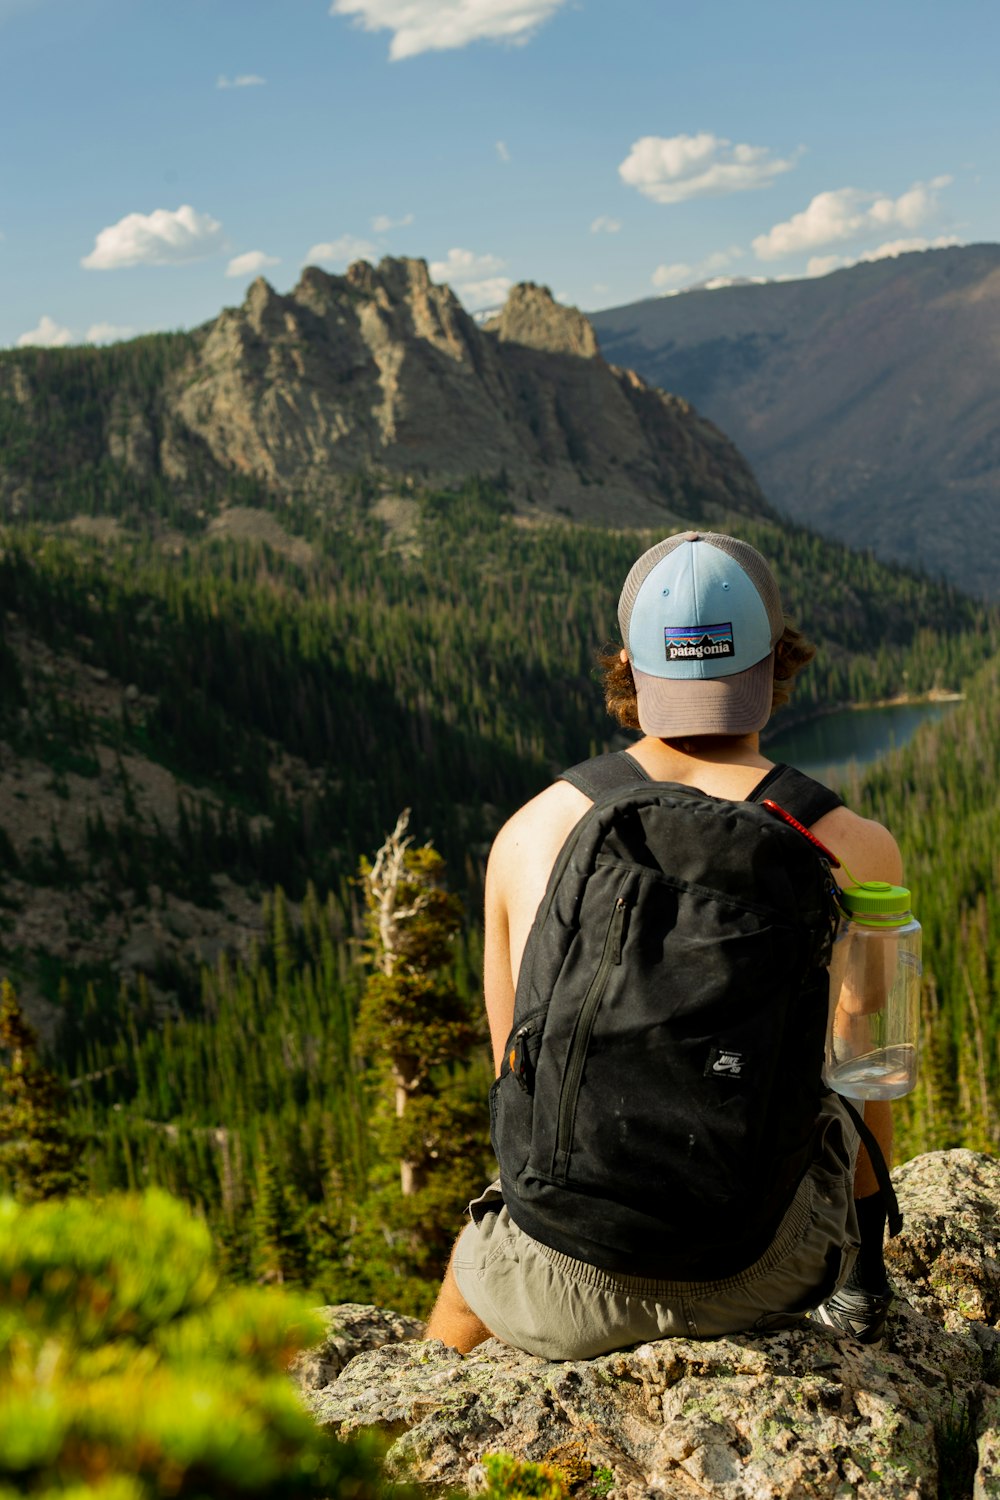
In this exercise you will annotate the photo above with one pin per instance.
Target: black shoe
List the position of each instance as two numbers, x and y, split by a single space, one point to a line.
859 1313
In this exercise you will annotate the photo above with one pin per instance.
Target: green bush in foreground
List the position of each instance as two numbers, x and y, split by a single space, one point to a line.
128 1371
509 1478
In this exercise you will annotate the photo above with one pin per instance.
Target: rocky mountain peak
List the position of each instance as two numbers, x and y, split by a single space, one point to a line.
263 306
381 371
532 316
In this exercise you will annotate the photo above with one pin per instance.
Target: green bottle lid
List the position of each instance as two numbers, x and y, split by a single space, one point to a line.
875 898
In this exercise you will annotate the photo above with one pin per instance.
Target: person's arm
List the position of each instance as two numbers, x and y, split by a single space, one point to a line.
498 985
520 861
868 849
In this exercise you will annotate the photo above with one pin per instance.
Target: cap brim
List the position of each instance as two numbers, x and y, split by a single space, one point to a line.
669 707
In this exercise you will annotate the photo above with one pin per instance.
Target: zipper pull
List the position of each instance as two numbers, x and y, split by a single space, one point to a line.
617 923
517 1058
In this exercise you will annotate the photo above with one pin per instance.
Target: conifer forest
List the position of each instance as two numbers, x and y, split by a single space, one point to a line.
319 1099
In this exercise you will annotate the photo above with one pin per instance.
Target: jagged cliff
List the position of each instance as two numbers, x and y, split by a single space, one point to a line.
767 1417
381 372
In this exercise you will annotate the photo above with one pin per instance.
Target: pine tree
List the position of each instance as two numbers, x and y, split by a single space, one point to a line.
411 1016
268 1221
415 1029
39 1152
278 1252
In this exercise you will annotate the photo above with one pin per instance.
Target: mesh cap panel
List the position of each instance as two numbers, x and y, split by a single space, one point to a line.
748 558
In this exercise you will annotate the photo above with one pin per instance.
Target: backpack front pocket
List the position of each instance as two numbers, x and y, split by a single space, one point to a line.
611 957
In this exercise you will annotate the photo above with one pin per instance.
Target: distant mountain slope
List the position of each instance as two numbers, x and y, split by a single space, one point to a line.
867 401
378 373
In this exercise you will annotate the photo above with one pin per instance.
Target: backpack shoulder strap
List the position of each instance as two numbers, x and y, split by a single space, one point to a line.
605 773
797 793
879 1166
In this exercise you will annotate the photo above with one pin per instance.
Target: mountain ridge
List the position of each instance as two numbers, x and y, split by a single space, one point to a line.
379 372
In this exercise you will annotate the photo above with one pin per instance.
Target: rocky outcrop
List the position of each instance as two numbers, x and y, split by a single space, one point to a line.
532 318
382 372
791 1414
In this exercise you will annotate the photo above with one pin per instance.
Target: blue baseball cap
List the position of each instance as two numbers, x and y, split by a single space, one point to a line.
700 615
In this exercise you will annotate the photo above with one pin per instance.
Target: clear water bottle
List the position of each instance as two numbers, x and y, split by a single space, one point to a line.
875 969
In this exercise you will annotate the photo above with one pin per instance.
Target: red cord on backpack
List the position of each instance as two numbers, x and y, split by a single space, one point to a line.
786 817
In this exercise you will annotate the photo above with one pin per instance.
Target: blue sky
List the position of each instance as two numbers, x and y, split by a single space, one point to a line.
157 154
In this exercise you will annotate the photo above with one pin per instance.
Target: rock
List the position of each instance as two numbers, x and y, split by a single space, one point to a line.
351 1329
948 1258
531 316
182 921
131 439
987 1486
382 370
791 1414
209 949
142 951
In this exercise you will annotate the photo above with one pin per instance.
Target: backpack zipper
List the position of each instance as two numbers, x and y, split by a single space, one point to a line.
580 1039
517 1057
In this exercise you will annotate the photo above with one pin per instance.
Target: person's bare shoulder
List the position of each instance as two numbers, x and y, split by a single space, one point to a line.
520 862
866 847
530 840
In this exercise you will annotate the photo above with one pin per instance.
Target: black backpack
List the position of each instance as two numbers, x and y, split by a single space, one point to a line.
657 1104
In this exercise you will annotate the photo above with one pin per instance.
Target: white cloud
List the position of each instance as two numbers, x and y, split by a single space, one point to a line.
669 277
341 252
48 335
440 25
605 225
250 263
241 81
108 333
670 169
848 214
672 278
475 279
716 283
161 238
382 223
903 247
822 265
502 151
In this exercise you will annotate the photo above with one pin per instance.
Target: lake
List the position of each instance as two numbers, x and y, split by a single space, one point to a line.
829 746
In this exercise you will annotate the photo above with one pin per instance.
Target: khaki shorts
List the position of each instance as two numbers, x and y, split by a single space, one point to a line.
549 1304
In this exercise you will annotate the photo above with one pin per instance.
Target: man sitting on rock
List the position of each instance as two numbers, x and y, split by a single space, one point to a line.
555 1260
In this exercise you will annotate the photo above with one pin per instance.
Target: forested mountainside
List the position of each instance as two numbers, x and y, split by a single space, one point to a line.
866 400
940 795
184 721
377 373
201 735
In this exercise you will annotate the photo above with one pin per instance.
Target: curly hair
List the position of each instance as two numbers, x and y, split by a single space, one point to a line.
792 652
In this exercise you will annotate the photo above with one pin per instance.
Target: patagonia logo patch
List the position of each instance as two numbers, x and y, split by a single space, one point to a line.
726 1062
698 642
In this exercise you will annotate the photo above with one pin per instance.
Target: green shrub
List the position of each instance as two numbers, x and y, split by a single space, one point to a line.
129 1371
509 1478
